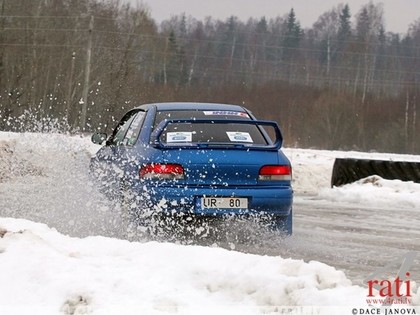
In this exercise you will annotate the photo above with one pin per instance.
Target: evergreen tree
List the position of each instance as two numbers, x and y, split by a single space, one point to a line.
363 26
344 29
293 35
344 33
262 26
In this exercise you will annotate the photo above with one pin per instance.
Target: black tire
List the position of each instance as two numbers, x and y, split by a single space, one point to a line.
284 224
135 222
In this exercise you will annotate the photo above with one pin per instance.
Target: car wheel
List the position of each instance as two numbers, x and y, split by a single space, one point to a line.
130 210
125 199
284 224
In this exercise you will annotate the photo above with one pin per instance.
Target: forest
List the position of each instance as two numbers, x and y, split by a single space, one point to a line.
346 83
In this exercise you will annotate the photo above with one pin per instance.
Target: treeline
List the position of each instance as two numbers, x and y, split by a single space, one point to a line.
345 83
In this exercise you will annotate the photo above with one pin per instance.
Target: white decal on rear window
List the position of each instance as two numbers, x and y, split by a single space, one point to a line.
178 137
225 113
239 136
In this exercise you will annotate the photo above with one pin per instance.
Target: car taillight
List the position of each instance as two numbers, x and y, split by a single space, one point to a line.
161 171
275 172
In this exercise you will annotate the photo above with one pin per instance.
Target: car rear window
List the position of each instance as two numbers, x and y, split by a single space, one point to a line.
199 114
209 132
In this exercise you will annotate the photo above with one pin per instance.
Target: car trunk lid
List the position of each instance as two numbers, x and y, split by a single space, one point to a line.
221 167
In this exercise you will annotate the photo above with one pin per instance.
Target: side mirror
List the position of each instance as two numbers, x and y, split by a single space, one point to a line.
99 137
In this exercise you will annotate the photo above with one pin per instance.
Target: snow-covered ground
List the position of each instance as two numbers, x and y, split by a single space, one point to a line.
69 267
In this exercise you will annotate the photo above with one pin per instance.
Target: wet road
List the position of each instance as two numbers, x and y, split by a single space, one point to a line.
356 239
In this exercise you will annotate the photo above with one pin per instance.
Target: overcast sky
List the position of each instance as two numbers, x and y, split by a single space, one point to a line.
399 14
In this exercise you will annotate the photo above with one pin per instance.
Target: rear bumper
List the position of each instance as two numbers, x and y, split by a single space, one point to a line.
261 199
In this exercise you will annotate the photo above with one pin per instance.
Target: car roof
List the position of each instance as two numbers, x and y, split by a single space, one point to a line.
193 106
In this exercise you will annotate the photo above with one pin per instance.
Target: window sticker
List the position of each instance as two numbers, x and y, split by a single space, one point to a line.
180 136
225 113
239 136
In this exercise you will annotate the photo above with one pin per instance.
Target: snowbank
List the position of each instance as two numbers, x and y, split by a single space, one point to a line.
54 272
312 171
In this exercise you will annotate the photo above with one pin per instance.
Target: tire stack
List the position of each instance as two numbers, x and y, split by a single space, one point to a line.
348 170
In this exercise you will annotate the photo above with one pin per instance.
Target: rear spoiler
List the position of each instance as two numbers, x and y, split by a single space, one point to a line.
157 141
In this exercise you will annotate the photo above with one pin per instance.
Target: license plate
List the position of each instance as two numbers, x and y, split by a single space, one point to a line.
224 203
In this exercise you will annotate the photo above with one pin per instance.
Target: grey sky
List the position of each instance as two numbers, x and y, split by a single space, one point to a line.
399 14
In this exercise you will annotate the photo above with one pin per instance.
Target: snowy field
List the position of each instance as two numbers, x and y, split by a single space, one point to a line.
63 249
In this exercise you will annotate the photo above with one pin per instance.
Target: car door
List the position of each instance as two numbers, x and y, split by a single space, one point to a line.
113 158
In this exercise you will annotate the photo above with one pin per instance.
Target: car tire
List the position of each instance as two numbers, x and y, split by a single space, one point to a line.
284 224
134 223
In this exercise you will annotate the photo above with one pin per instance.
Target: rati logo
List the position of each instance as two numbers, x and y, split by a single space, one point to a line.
392 290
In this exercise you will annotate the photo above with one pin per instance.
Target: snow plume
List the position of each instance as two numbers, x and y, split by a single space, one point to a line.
55 188
12 165
30 121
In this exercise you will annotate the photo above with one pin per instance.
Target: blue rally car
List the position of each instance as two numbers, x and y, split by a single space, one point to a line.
198 159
